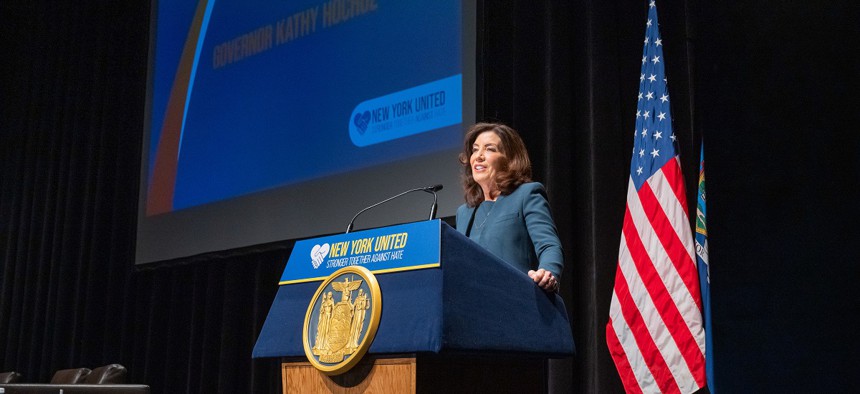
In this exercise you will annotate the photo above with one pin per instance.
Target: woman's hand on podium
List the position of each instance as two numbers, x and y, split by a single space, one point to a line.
545 280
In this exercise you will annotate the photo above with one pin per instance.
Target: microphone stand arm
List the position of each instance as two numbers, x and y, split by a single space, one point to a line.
352 222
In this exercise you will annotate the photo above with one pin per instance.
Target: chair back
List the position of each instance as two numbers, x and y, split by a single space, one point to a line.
107 374
70 376
10 377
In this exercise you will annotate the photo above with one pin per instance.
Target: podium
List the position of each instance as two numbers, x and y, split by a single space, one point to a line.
467 321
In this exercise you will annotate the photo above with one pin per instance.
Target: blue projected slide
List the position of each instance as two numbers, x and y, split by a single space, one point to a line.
277 120
248 96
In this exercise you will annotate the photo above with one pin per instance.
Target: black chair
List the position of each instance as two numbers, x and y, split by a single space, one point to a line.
70 376
10 377
107 374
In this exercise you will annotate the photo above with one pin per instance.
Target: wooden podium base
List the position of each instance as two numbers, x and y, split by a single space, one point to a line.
432 373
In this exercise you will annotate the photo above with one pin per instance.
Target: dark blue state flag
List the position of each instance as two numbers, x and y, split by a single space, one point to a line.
704 269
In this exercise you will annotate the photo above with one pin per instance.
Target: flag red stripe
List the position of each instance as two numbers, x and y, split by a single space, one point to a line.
663 302
671 241
649 350
621 362
672 173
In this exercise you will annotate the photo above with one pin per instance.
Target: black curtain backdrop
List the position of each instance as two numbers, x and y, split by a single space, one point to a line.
770 85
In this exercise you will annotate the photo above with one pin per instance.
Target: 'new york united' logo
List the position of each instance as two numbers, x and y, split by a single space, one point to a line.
318 254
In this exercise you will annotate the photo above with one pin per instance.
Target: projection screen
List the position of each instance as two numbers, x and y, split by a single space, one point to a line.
278 120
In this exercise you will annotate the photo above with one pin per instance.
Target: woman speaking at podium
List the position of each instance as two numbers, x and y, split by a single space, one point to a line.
505 212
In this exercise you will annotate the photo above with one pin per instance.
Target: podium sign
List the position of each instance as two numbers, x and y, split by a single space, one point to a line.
388 249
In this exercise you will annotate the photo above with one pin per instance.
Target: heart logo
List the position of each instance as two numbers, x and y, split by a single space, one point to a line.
361 121
318 254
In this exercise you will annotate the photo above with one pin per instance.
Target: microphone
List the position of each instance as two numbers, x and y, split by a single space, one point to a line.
433 189
429 189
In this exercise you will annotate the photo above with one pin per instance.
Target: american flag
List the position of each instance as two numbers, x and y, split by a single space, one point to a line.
655 333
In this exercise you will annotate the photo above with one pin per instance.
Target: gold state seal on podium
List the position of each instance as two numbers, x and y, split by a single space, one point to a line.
342 319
